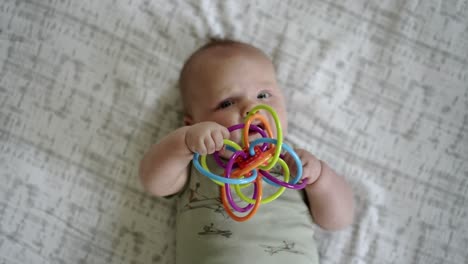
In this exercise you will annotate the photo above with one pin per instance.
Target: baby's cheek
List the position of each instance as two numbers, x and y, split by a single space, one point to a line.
282 116
284 122
227 123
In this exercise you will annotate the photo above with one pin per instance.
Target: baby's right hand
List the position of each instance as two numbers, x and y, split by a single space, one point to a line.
206 137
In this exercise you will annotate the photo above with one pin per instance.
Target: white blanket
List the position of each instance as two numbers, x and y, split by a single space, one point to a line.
378 89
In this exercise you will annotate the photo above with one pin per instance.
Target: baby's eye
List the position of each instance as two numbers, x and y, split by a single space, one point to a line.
263 95
225 104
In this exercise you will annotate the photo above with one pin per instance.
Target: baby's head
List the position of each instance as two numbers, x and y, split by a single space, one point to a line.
224 79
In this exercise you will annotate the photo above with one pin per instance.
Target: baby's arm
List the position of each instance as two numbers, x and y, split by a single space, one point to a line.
330 197
164 168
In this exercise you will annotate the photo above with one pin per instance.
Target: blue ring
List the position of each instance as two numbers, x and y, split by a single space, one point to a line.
288 149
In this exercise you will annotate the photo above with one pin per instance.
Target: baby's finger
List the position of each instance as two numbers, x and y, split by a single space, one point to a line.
225 133
193 144
293 171
218 140
306 175
287 158
203 146
209 145
300 153
313 169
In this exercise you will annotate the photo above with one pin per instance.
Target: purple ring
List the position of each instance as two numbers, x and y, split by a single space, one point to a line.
227 186
283 183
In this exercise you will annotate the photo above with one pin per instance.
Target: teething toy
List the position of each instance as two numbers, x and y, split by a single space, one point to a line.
251 163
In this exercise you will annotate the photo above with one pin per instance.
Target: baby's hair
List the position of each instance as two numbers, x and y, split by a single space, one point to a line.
213 42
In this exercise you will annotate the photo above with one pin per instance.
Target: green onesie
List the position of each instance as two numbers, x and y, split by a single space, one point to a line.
280 232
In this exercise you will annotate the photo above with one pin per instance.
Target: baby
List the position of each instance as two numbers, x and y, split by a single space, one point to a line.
219 84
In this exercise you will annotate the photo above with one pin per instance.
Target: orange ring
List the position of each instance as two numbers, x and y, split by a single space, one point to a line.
252 212
247 127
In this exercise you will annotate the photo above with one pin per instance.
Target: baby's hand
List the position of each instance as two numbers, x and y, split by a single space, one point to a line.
206 137
311 166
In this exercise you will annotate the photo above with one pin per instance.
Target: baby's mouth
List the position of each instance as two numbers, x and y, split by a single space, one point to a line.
253 131
254 134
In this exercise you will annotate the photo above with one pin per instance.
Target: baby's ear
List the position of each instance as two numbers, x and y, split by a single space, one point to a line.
188 121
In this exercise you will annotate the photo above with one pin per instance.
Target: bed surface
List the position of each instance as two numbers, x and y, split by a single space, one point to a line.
377 90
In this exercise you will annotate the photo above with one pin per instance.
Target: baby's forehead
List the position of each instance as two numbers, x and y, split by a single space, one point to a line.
221 51
217 62
194 69
213 53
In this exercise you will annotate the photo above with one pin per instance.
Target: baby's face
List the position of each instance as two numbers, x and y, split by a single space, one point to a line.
224 84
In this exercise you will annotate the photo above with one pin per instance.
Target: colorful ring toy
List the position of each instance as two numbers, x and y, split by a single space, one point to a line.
250 165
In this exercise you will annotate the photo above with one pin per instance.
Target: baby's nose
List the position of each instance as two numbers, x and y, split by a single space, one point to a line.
247 107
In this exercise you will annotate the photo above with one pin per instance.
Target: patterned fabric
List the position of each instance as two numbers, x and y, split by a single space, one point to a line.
377 89
281 231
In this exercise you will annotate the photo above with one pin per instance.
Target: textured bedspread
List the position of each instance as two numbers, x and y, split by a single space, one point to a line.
378 89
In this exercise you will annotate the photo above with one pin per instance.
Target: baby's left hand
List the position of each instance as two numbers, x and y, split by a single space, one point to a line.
311 166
